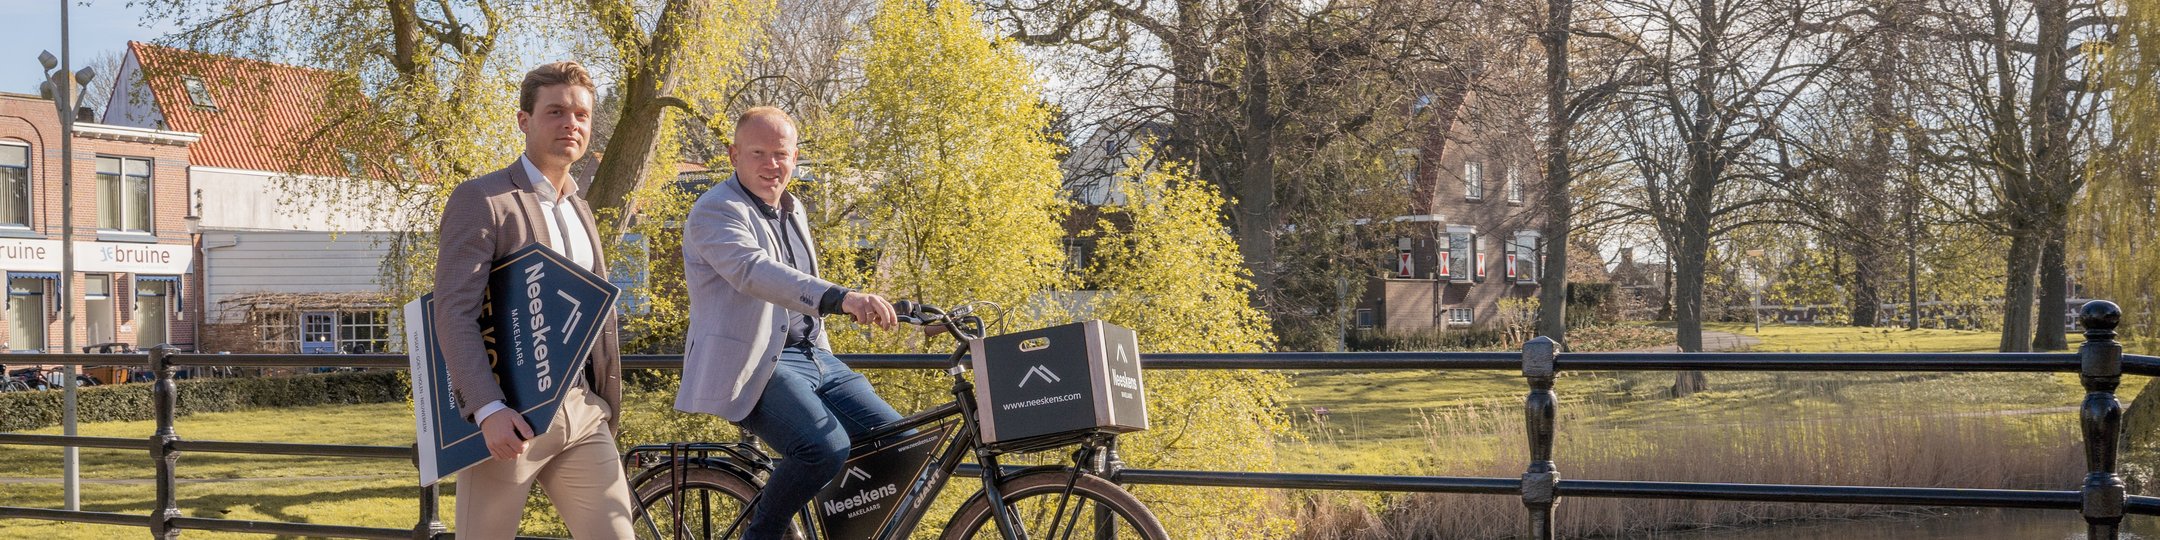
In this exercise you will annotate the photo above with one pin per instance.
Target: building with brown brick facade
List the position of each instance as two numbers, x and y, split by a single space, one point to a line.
132 247
1468 238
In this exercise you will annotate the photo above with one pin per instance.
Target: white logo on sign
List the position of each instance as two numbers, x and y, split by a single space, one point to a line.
854 473
1040 371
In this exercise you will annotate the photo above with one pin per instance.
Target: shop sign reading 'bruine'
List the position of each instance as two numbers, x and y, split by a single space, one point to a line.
27 255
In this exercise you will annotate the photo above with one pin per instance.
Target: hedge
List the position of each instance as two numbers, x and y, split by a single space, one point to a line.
22 411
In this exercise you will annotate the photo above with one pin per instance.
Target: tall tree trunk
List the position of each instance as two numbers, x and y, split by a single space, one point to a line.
2054 178
2054 287
1870 185
1188 91
1689 265
628 156
1559 206
1689 262
1866 283
1665 308
2019 266
1256 185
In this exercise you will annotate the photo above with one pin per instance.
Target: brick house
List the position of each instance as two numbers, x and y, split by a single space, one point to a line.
283 272
133 281
1469 237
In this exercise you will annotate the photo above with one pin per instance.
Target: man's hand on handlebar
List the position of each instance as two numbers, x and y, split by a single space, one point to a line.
869 309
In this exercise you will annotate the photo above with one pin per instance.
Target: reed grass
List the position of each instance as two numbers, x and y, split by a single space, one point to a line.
2010 451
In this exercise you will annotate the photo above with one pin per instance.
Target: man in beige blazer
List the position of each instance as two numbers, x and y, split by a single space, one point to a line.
532 201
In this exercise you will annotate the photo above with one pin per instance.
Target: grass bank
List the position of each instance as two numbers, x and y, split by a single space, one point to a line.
368 492
1914 429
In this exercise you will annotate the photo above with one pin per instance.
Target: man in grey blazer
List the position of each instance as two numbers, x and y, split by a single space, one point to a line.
532 201
757 353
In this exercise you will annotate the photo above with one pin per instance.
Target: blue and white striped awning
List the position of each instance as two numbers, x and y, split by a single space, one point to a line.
34 275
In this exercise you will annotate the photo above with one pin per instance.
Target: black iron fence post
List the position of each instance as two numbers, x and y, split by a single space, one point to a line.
2100 369
164 400
1540 484
430 525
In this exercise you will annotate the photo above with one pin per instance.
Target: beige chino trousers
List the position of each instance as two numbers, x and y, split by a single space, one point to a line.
575 461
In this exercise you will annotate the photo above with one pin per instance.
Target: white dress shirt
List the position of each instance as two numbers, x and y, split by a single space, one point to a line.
566 235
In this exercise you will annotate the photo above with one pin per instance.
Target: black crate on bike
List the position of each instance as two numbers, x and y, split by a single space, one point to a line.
1049 387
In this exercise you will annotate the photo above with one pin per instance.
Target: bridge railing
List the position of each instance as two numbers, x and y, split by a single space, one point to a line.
2099 362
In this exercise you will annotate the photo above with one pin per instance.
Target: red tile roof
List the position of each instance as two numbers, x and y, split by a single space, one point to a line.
264 116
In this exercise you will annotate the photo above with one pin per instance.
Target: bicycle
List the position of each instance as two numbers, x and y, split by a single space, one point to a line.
704 490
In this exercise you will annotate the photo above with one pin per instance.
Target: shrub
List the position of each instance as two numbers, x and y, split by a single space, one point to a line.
127 402
1460 339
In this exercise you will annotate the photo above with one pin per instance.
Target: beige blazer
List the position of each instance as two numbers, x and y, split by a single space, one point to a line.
740 296
486 219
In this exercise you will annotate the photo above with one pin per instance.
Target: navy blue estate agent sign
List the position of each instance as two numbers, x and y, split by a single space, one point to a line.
540 318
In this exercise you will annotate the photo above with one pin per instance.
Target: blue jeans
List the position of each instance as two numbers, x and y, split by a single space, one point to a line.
812 406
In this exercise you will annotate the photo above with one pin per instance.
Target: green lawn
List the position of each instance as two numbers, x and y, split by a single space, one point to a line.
365 492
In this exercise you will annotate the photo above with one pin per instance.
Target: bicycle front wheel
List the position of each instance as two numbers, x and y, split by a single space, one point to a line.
1095 509
706 505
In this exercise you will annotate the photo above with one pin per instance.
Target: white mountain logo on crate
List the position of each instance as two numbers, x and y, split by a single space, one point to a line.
854 473
1038 371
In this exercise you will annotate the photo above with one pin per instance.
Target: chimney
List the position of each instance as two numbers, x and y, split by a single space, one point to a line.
1627 256
85 115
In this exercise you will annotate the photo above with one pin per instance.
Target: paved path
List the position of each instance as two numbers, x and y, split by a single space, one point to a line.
1712 341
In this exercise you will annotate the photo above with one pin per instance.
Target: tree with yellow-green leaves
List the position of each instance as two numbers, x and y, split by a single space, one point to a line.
2118 211
1169 269
2118 215
937 180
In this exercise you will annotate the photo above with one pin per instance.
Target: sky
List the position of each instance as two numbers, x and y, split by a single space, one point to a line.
97 26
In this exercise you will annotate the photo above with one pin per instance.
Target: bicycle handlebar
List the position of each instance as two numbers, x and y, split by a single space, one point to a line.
961 321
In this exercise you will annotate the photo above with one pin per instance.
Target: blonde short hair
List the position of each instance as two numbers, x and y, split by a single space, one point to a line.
763 111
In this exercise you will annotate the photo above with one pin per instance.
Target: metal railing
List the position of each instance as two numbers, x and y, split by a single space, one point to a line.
2099 362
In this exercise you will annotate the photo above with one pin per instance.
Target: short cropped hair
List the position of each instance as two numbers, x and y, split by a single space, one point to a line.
763 111
552 74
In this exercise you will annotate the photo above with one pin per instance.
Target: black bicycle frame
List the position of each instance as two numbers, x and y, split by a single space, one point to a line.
914 501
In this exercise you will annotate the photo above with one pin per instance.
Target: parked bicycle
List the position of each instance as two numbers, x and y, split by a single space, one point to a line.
703 490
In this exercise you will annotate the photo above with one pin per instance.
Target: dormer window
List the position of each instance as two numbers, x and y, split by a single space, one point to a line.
197 92
352 162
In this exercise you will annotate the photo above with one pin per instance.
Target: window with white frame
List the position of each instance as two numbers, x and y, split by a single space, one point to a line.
1459 317
1462 254
26 312
1523 257
14 185
1514 185
123 193
278 331
1365 318
363 331
98 311
1473 180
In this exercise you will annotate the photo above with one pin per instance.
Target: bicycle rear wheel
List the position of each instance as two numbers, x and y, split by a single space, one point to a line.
1095 510
713 506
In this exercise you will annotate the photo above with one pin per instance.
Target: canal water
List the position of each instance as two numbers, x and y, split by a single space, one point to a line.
1977 525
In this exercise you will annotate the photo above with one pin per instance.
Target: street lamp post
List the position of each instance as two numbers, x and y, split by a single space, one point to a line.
64 86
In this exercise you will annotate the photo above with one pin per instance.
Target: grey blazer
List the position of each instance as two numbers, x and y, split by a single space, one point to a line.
486 219
740 296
